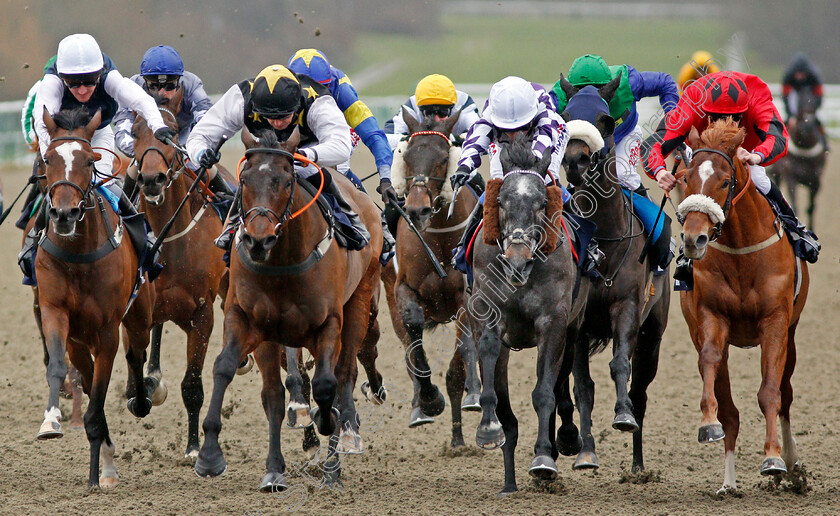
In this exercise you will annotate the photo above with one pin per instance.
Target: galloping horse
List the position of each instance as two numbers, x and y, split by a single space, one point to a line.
749 290
806 157
86 271
193 268
291 284
627 305
528 293
417 297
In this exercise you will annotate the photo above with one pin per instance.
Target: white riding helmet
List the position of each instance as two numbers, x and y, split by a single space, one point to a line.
78 54
513 103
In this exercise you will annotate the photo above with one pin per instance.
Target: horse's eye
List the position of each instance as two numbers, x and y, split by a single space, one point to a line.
91 162
288 184
544 203
725 184
46 161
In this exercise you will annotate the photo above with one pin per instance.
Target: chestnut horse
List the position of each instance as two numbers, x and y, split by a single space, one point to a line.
193 265
749 290
86 271
418 298
291 285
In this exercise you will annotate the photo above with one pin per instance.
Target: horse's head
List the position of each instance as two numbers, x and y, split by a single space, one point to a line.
804 128
69 163
590 126
522 203
426 164
267 179
158 163
710 184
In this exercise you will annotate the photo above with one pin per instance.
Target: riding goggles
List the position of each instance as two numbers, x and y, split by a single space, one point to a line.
436 109
167 85
73 82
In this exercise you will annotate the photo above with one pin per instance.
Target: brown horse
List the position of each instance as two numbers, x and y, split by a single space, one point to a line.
87 270
418 298
749 290
193 266
291 284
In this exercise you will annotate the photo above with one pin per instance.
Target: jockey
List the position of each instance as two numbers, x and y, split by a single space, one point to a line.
84 76
801 73
314 64
634 86
161 75
746 99
701 63
279 99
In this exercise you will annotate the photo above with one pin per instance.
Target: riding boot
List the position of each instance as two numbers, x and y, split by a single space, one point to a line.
220 187
477 183
683 273
357 235
31 197
641 190
459 254
388 242
26 257
224 240
129 187
129 213
805 242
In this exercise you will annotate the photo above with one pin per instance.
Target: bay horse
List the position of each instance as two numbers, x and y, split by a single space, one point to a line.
528 293
86 271
749 290
193 265
418 298
806 157
627 305
290 284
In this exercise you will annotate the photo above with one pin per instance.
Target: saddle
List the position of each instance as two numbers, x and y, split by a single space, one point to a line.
338 221
661 245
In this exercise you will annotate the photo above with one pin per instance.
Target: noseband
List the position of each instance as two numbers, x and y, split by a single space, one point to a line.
731 198
268 213
421 181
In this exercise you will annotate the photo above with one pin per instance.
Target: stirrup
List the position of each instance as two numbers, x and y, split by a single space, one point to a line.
225 240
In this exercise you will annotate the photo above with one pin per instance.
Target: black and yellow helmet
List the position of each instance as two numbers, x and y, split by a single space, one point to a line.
275 92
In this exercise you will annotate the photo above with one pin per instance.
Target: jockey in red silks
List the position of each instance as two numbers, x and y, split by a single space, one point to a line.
746 99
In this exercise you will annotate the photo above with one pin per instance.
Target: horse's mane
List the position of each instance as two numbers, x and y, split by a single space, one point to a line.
518 154
266 138
73 118
723 134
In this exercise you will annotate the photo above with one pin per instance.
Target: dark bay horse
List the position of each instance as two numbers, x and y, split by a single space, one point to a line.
193 266
290 284
749 290
628 305
86 270
806 157
418 298
528 293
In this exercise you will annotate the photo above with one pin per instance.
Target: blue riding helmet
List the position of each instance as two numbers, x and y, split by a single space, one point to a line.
162 60
311 63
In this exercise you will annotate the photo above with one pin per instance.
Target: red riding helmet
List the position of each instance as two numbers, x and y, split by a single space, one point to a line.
725 94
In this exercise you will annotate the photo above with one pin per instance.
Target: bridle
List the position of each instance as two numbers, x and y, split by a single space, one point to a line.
86 193
422 181
519 235
271 215
172 175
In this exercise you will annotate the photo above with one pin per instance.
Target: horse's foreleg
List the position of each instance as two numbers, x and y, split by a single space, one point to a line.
96 426
298 409
585 398
489 434
812 203
711 346
211 461
625 332
374 388
431 400
508 420
731 421
551 338
192 388
324 382
645 365
135 342
773 360
789 453
55 324
467 350
455 376
74 380
273 400
153 366
568 440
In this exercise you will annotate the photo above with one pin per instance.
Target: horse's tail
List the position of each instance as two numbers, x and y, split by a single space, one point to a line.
596 346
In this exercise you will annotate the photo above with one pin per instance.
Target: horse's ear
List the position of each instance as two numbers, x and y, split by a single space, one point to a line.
543 164
605 125
565 116
568 88
736 141
694 138
248 139
450 122
94 123
410 121
49 122
294 140
607 91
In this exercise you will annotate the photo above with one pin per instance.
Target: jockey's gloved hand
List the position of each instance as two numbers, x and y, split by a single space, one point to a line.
208 158
460 177
166 134
389 195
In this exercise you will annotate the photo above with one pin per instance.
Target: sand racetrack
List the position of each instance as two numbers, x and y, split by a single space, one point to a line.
409 470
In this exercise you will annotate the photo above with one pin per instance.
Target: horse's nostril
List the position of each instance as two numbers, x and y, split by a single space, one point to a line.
248 240
74 213
426 211
701 241
269 241
160 178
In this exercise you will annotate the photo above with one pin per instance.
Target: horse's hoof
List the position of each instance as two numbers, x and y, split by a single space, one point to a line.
137 409
77 424
418 418
298 415
508 490
310 442
159 394
710 433
273 482
314 415
470 403
543 468
625 422
349 442
586 460
434 405
727 490
246 365
191 454
210 468
377 398
490 436
50 430
569 448
108 482
773 466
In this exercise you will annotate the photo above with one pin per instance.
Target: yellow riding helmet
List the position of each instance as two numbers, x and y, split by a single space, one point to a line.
435 89
705 60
